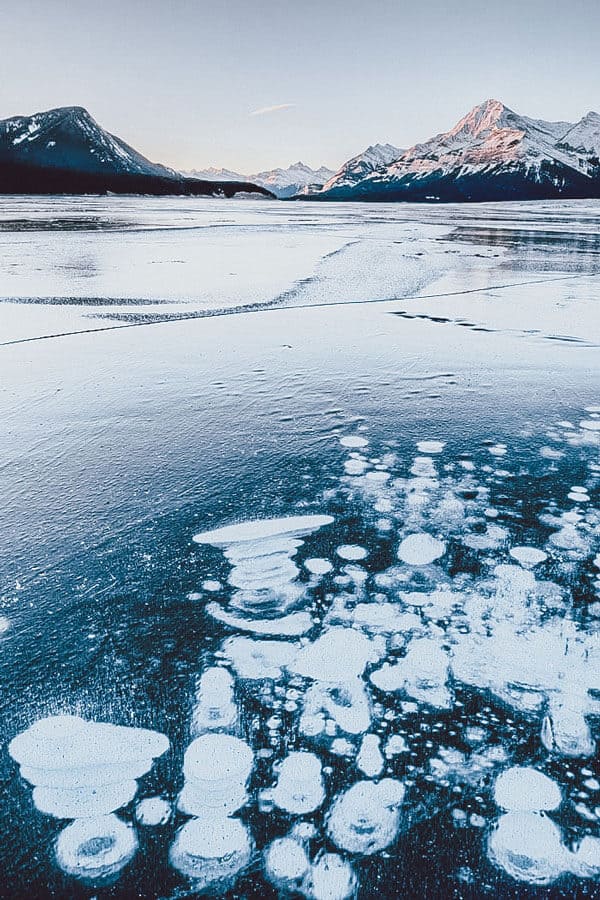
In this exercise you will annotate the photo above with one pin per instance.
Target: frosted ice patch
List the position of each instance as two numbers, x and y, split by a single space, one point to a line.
585 859
336 655
422 674
329 707
524 788
84 769
216 769
83 802
353 440
286 863
528 846
256 659
590 424
66 742
420 549
97 849
528 556
299 789
317 566
290 625
211 851
351 552
369 759
365 818
428 447
214 707
262 528
153 811
331 878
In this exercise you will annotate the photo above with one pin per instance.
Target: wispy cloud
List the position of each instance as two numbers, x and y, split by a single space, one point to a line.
265 110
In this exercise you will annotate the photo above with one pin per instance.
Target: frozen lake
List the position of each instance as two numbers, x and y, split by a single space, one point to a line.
398 676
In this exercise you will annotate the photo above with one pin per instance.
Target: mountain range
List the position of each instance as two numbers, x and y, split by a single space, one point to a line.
492 153
284 183
65 151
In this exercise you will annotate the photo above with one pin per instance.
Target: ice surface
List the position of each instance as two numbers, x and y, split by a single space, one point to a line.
524 788
331 878
528 846
96 849
215 707
299 789
365 818
211 851
286 863
152 811
420 549
216 769
82 768
370 760
258 659
528 556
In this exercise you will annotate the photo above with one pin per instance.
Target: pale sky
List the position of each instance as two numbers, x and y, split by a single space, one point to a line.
252 85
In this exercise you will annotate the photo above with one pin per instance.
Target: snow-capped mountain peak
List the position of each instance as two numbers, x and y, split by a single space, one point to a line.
491 153
360 166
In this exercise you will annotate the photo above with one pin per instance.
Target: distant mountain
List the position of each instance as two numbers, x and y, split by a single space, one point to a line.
65 151
282 182
491 154
359 167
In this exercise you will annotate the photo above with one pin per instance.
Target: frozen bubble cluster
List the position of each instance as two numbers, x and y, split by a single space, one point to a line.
426 664
264 574
85 771
216 768
82 769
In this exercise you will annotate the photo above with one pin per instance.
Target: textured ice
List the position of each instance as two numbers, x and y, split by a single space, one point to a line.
216 769
422 674
420 549
528 556
260 529
353 440
87 800
299 789
286 863
528 846
336 655
212 851
369 759
290 625
81 768
152 811
365 818
96 849
214 708
318 566
524 788
351 552
331 878
256 659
